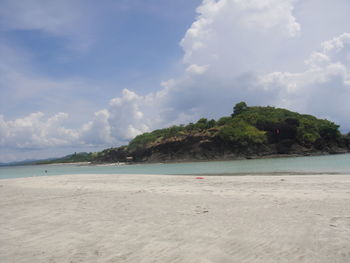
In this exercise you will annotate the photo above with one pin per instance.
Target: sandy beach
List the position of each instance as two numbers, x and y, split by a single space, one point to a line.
157 218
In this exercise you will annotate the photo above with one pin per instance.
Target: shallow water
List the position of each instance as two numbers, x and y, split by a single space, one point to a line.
311 164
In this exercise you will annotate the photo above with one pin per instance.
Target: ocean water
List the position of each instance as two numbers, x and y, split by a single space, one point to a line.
311 164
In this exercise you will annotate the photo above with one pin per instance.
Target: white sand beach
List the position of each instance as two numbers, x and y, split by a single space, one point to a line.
162 218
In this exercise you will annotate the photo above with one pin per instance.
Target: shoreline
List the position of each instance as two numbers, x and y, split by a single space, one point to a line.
155 218
254 157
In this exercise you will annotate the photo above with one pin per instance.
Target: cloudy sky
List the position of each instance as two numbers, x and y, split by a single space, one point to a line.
83 75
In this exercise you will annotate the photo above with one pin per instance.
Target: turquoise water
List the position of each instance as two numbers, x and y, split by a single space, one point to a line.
315 164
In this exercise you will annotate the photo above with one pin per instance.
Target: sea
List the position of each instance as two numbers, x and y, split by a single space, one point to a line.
332 164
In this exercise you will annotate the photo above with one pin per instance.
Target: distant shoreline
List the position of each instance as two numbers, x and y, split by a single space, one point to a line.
255 157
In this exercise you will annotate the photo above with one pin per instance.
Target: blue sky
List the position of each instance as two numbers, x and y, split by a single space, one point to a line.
115 45
86 75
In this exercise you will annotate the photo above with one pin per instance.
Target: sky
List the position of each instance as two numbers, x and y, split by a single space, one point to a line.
84 75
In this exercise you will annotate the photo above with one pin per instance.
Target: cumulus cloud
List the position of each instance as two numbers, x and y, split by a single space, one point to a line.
236 36
36 131
127 116
251 50
97 131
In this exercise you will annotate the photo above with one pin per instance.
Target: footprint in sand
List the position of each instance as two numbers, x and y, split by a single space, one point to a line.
201 210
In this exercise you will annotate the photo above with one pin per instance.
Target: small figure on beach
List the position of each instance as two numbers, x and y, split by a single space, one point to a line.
46 171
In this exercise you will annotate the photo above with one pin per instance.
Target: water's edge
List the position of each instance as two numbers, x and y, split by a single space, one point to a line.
325 164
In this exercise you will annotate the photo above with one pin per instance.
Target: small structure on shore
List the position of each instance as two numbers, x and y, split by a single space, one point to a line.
129 158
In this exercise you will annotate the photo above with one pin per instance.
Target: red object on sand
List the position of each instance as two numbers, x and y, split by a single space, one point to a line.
199 177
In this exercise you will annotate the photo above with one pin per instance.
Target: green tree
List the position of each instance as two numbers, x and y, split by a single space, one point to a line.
328 130
242 134
223 120
211 123
307 132
239 108
202 124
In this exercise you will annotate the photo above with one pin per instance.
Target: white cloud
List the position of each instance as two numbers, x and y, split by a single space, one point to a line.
269 14
235 36
97 131
336 44
132 114
126 115
251 50
196 69
36 131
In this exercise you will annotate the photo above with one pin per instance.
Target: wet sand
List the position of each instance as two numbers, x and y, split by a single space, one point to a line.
162 218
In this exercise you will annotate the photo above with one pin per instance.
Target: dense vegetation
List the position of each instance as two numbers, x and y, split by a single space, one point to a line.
252 125
249 131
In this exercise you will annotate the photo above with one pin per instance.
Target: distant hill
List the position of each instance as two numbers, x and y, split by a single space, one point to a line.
71 158
24 162
250 132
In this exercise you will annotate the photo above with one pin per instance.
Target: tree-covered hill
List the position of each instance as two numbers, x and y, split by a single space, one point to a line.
249 132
